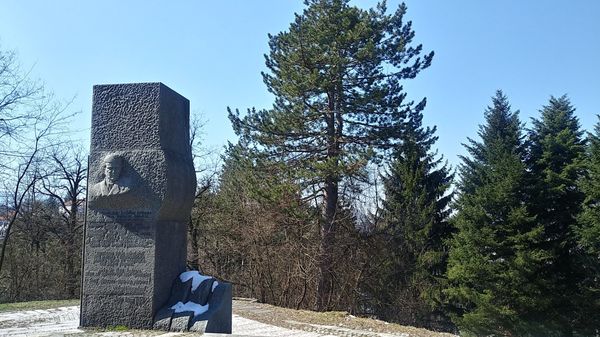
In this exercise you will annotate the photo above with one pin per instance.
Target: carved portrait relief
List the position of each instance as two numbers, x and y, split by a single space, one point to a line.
114 182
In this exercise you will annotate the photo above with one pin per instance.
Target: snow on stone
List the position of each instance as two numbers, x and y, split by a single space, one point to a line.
196 277
190 306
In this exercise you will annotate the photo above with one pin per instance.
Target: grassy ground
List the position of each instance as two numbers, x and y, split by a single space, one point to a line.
36 305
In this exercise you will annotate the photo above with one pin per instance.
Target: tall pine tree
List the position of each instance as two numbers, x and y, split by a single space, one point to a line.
493 260
336 75
416 228
557 151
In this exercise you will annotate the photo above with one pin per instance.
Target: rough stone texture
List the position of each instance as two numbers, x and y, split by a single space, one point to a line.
162 319
216 319
135 236
180 321
198 326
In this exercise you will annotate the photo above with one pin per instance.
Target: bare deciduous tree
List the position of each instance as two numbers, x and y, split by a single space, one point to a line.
67 187
31 122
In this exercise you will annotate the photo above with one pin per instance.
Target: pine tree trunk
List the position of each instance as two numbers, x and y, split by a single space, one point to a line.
326 247
331 195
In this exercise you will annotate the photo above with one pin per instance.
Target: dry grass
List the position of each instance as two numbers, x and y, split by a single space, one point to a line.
35 305
324 321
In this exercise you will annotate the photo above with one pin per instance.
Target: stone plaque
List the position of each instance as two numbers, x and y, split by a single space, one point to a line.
141 186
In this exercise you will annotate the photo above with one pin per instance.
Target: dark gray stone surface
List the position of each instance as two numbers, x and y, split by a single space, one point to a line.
180 321
180 292
198 326
142 185
162 319
218 315
220 312
202 294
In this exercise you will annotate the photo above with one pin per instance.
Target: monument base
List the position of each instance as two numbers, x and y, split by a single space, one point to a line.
198 303
128 272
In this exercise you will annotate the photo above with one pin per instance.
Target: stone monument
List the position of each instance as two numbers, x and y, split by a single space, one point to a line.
141 189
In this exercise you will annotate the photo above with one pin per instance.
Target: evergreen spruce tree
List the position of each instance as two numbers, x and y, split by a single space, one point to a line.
493 258
589 232
588 235
557 151
336 75
416 228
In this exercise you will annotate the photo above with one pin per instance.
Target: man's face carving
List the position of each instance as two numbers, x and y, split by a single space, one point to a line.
112 170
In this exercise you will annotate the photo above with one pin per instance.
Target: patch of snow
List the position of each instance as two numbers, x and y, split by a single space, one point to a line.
196 277
215 284
190 306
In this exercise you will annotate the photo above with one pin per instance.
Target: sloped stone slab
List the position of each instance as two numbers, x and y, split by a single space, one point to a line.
202 294
220 303
198 326
180 292
181 321
162 319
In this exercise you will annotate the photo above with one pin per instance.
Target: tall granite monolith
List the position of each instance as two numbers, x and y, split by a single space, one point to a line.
141 188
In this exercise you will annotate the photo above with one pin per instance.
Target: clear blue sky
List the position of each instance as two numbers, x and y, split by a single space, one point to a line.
212 53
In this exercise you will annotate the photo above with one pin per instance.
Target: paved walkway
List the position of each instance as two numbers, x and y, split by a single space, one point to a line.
64 321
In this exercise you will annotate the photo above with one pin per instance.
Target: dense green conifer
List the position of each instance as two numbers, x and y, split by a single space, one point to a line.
588 236
556 161
493 258
589 233
416 228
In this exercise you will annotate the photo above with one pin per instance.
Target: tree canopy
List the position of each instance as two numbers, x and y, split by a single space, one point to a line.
336 75
493 258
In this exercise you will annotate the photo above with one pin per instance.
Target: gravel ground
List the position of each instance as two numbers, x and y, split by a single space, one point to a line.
249 319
